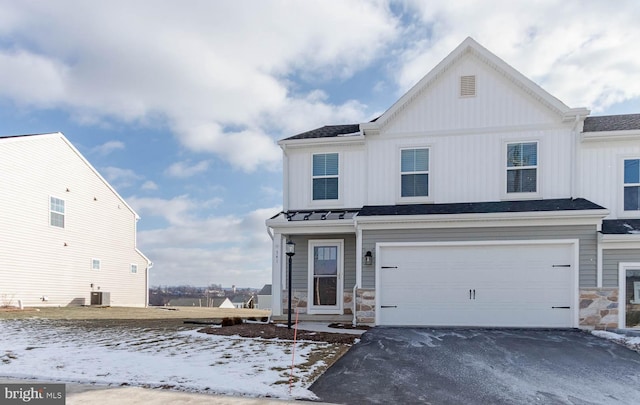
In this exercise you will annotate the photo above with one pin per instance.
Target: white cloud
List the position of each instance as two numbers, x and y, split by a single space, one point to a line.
184 169
108 147
120 178
203 68
203 248
149 185
561 45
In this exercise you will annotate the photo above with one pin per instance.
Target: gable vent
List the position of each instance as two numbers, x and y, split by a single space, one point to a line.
467 86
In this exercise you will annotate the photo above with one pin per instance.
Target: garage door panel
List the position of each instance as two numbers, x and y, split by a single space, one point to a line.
477 285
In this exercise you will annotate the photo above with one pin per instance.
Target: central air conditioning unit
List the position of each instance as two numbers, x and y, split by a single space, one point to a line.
100 298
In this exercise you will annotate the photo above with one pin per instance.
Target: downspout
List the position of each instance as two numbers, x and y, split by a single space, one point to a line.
285 179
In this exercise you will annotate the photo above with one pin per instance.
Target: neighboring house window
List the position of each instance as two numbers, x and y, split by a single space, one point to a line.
95 264
325 176
414 172
56 212
134 268
522 167
632 184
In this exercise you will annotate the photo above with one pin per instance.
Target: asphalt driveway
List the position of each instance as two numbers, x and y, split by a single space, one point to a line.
482 366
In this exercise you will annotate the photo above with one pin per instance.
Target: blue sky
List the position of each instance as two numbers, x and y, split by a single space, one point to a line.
180 107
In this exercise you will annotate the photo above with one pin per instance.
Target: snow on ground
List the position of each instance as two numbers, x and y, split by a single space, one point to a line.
177 359
632 342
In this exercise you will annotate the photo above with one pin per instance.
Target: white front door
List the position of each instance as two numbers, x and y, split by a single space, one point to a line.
325 276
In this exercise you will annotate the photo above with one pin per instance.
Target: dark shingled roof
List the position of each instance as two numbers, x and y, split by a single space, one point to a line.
621 226
319 215
566 204
266 290
612 123
328 131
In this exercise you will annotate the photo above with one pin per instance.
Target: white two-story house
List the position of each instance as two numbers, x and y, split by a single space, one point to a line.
477 199
66 236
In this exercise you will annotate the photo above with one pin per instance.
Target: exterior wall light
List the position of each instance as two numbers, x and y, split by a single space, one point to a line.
368 258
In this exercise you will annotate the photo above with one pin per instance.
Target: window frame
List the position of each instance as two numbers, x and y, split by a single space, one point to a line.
325 202
93 262
624 212
63 213
506 169
428 172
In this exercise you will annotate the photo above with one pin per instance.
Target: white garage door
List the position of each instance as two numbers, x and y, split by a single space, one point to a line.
503 285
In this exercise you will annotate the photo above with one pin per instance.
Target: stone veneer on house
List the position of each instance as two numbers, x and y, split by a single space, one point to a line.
598 308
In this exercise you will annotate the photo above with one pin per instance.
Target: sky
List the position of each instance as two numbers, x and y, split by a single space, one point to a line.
180 105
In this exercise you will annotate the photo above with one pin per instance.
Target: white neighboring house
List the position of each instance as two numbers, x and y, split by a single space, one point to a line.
67 237
264 297
477 199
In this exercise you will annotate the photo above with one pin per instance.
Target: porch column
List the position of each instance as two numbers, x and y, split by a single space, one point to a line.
276 275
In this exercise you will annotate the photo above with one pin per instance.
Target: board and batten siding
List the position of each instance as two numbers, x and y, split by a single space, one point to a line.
498 103
469 167
351 177
300 261
39 260
586 234
610 260
600 176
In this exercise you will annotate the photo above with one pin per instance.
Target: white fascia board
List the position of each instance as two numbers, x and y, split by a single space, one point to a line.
574 114
626 241
285 227
333 140
544 218
606 136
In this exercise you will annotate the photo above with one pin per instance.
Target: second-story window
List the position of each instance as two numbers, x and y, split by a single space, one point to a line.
56 212
522 167
632 184
414 172
325 176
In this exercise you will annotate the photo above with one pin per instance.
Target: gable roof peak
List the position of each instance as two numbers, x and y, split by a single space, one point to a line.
471 46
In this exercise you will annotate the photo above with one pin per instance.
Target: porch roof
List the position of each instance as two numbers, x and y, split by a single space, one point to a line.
318 215
621 226
564 204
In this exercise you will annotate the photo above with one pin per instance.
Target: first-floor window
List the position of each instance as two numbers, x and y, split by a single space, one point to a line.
134 268
522 167
632 184
414 172
56 212
95 264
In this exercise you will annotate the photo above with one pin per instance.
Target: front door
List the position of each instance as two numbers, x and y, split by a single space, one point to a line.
630 295
325 276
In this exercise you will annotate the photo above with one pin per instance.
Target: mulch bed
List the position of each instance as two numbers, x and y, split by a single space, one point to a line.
271 331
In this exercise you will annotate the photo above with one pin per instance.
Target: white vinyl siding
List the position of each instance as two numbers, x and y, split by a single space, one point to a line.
56 212
325 176
414 172
43 260
631 185
522 167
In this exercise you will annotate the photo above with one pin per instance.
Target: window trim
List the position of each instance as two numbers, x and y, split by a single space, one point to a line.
93 262
621 186
321 203
131 266
429 172
505 170
51 211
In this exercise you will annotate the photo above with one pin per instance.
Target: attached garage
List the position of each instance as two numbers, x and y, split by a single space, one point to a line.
485 284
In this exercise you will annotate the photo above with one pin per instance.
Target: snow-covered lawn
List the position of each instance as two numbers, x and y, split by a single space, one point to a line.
70 351
632 342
